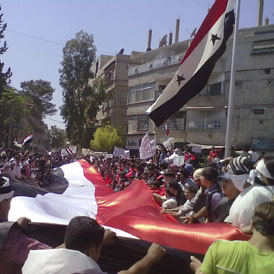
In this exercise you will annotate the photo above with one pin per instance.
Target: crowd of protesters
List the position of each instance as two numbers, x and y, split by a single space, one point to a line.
237 190
216 190
31 165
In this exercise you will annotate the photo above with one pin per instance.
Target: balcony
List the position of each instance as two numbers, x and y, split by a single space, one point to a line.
207 124
159 63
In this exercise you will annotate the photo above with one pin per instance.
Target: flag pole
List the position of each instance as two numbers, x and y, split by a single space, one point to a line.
232 85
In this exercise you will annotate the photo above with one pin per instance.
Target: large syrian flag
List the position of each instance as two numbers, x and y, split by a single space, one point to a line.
194 71
132 212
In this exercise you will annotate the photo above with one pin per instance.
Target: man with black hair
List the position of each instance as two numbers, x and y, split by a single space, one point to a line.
213 195
185 178
252 257
177 191
84 239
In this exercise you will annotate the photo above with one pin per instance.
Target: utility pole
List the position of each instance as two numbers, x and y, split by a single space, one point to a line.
232 85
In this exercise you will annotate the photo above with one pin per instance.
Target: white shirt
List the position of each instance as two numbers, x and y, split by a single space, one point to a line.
59 261
170 203
242 209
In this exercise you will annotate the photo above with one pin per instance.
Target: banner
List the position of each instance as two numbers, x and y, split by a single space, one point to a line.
120 152
169 143
146 150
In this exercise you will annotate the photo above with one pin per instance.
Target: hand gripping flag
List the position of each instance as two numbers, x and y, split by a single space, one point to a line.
194 71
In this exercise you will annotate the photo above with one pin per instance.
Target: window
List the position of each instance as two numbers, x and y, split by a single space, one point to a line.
145 92
270 83
143 123
212 90
215 89
263 47
206 120
258 111
214 124
176 122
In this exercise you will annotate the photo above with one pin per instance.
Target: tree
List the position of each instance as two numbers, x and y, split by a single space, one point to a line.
5 117
4 75
81 100
58 137
105 138
11 113
39 94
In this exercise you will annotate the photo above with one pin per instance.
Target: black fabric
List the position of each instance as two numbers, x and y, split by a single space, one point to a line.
208 204
221 211
5 190
123 254
127 251
201 201
180 198
27 187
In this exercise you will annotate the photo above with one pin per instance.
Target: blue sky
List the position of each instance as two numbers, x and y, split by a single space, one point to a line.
114 24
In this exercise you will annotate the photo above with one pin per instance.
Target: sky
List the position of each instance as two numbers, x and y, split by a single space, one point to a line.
38 30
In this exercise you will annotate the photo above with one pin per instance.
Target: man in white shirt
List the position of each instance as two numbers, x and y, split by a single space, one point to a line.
84 239
242 209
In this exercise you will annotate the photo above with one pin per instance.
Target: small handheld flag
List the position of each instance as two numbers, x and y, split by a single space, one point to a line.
27 140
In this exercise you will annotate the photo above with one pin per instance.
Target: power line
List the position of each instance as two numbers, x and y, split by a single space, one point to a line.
52 42
77 126
37 38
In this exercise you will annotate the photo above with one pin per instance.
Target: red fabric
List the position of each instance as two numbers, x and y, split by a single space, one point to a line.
212 154
108 179
157 191
213 15
135 211
130 173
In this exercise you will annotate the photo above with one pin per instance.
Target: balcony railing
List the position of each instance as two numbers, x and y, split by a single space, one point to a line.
207 124
162 62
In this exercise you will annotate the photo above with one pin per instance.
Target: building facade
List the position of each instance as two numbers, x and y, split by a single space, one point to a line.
203 119
114 71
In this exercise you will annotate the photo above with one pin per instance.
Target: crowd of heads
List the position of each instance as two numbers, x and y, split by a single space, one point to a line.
31 165
193 192
196 190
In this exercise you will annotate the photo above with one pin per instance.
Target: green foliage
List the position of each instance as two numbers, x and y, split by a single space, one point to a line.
4 75
105 138
11 112
57 137
81 100
39 94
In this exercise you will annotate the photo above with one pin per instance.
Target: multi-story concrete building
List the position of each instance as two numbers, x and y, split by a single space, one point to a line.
203 119
114 70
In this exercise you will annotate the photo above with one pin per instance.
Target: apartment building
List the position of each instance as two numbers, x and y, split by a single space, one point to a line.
203 119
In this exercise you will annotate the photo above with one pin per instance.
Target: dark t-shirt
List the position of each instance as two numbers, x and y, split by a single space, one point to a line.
221 211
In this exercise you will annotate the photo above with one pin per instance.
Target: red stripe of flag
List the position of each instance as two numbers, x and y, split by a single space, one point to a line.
134 210
213 15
